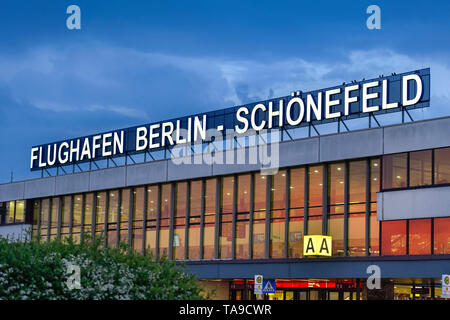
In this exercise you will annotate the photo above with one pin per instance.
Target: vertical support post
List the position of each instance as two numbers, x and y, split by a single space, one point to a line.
217 219
268 216
251 214
171 220
202 218
233 218
325 199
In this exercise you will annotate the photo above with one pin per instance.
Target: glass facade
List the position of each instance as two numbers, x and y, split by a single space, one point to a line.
255 216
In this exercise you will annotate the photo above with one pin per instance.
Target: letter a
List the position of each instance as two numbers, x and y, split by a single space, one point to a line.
310 245
374 21
324 246
74 20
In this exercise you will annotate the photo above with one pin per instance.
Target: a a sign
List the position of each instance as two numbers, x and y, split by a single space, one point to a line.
445 286
317 245
269 286
258 286
409 90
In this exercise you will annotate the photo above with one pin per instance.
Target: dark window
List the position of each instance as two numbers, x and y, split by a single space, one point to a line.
395 171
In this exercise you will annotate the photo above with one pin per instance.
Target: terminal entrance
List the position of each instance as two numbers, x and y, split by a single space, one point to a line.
299 290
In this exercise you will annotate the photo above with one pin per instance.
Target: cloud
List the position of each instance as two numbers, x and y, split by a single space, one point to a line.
142 85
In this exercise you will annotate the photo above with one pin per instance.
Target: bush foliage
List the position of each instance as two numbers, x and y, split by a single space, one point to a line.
42 270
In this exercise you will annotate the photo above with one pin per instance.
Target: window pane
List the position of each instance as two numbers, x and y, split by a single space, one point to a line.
374 249
260 192
315 186
101 211
45 206
394 171
150 239
67 204
259 230
180 199
314 225
243 196
277 232
278 195
124 214
225 239
88 213
179 237
137 239
336 176
165 201
242 239
374 179
152 202
442 165
210 197
420 168
227 194
194 242
195 198
208 241
393 237
20 209
295 249
420 236
357 181
138 214
113 206
36 216
442 236
336 230
357 235
54 216
10 205
297 188
77 206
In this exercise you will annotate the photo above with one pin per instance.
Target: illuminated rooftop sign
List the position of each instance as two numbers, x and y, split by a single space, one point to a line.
409 90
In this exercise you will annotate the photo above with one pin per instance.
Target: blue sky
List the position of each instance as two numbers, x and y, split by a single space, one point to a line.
135 62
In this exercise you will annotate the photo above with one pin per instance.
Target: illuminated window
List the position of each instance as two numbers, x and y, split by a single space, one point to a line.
395 171
210 216
393 237
442 165
441 235
420 168
356 234
112 218
420 236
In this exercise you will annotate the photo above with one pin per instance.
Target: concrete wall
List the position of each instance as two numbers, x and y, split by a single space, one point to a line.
334 147
15 232
413 203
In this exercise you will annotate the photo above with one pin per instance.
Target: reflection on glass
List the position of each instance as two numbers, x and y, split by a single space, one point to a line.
315 186
393 237
420 168
100 212
76 222
374 179
336 178
88 212
278 192
243 196
297 188
374 243
441 235
357 235
66 207
227 195
260 192
395 170
20 211
442 165
209 226
259 230
277 235
242 237
295 245
357 181
336 231
420 236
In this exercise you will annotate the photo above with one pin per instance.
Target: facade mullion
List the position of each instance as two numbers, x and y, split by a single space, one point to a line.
131 215
94 215
49 221
105 225
186 221
268 216
368 192
325 199
72 199
233 221
119 213
144 221
83 204
346 199
158 221
286 214
217 219
39 220
251 214
171 219
306 203
202 218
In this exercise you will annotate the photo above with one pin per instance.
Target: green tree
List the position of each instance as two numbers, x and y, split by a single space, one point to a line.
42 270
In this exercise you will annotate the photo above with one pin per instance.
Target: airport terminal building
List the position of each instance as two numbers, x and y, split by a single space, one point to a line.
381 193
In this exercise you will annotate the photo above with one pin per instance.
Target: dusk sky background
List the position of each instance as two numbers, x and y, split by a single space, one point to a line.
136 62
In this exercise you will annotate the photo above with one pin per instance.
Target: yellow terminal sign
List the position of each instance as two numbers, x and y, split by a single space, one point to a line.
317 245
